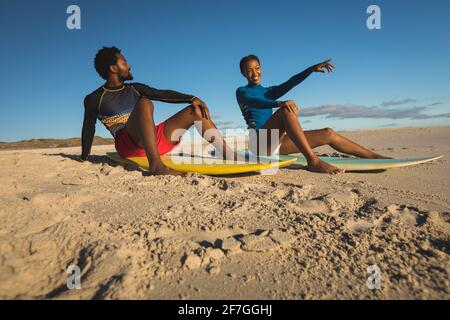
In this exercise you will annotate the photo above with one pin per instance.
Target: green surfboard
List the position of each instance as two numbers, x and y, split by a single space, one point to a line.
359 164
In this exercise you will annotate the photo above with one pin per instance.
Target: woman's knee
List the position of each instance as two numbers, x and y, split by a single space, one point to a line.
285 113
329 133
288 113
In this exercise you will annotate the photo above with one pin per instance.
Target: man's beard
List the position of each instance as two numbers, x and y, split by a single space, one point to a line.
128 76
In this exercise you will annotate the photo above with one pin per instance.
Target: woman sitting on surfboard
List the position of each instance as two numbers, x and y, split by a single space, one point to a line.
256 103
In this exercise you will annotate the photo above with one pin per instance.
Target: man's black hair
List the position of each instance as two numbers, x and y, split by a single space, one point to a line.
245 59
105 57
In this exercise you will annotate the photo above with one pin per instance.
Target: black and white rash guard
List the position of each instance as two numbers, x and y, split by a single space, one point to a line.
113 106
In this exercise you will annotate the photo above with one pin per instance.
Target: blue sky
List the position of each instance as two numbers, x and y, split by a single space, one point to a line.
394 77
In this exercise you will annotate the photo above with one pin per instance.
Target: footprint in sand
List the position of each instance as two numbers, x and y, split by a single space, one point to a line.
261 241
265 240
341 200
358 227
440 218
294 194
445 216
442 245
408 215
100 265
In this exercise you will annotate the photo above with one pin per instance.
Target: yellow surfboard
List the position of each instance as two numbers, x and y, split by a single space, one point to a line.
205 165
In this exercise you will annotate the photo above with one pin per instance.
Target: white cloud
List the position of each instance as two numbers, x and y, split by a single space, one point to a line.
397 102
337 111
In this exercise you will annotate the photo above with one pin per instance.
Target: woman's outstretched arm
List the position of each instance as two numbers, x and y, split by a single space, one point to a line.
276 92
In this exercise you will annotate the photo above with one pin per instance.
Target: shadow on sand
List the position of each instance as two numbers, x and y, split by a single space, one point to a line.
105 160
96 160
300 167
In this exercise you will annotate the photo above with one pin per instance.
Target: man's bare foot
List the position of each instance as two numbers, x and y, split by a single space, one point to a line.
322 167
163 170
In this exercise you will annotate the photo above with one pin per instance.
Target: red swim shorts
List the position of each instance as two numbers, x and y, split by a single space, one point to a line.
126 148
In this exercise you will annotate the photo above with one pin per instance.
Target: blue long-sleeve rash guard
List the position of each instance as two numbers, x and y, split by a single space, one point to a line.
256 102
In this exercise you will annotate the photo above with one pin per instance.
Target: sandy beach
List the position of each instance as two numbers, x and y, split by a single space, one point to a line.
293 235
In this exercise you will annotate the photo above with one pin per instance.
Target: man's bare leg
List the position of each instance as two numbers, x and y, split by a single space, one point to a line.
185 118
328 136
288 122
142 130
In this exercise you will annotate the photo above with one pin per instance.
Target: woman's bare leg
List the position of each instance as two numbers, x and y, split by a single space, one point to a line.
328 136
285 121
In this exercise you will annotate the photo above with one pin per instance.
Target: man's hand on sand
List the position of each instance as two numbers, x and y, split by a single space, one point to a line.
196 102
327 65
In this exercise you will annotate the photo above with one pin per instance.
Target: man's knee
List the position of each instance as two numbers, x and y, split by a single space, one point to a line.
195 111
145 103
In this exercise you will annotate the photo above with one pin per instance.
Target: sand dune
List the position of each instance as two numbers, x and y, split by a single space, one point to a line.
51 143
293 235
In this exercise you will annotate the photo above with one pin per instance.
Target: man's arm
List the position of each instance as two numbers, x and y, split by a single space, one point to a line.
243 97
88 131
171 96
168 96
276 92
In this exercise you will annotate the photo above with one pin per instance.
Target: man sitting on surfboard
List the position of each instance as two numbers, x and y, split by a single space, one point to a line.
256 103
127 112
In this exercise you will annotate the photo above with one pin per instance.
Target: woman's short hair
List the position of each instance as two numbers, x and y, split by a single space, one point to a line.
245 59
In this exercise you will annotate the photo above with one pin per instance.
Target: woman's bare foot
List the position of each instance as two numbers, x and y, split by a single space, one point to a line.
320 166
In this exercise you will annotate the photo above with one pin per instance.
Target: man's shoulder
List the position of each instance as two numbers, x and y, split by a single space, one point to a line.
93 96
